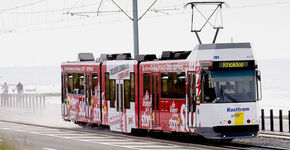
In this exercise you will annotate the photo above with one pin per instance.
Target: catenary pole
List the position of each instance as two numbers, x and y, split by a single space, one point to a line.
135 28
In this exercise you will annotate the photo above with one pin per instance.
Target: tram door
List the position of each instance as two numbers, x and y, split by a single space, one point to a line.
155 99
120 102
88 95
190 101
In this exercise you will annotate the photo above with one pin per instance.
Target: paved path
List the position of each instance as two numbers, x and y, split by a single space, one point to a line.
43 138
48 116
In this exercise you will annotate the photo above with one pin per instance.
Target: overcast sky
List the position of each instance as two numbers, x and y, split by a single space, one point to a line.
47 39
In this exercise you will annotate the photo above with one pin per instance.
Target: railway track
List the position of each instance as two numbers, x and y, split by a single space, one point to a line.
274 135
184 141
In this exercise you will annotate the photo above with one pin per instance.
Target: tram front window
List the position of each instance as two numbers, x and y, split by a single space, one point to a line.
230 87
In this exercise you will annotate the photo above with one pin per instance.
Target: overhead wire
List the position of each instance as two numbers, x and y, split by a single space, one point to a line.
263 4
178 7
122 10
147 10
53 10
21 6
99 7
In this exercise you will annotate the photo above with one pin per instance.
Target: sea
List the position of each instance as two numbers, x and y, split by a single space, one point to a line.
46 79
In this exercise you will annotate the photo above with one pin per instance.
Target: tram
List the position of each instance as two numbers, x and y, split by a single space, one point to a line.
212 91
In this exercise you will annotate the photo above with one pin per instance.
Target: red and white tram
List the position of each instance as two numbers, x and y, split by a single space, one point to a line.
210 91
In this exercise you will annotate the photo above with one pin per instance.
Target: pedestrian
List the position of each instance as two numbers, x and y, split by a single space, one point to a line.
19 88
4 97
5 88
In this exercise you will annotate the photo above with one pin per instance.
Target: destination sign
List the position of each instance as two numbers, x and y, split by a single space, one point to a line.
233 64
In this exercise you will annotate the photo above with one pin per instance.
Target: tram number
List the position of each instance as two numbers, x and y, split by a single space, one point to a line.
233 64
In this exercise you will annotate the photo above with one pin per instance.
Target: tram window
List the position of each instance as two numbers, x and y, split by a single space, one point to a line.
63 87
88 88
164 85
173 85
146 83
191 91
107 86
118 98
194 86
132 82
81 84
95 82
180 85
75 83
228 86
153 92
127 93
157 92
112 92
122 99
208 90
70 83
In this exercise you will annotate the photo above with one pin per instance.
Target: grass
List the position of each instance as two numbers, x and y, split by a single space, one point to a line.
4 145
10 144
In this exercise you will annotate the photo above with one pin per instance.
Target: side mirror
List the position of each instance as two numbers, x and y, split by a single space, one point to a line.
258 74
259 85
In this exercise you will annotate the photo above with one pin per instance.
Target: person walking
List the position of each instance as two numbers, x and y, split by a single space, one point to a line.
5 88
19 88
4 96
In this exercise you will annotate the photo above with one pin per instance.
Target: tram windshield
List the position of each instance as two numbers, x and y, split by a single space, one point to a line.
229 86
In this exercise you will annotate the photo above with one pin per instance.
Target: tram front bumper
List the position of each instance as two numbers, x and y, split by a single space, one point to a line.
229 132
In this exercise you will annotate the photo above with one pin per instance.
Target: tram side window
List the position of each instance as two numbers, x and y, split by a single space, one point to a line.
70 84
78 83
75 83
112 93
191 91
81 79
173 85
208 91
63 87
127 93
107 86
88 82
95 82
164 85
180 85
146 83
132 81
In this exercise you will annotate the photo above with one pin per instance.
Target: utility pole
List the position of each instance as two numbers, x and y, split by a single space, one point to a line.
135 28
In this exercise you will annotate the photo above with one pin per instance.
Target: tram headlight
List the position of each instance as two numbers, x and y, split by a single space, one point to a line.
225 122
253 121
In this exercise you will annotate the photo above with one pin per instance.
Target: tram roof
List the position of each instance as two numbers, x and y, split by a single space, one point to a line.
80 63
165 61
223 46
